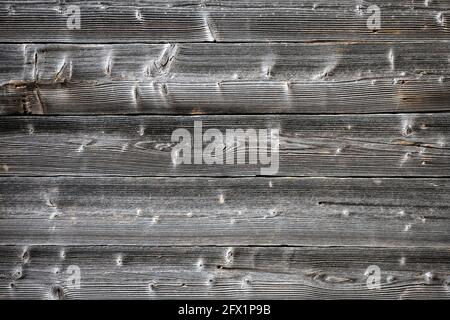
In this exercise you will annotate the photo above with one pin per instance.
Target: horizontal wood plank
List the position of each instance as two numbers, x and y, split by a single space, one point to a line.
50 64
345 145
345 4
213 21
307 4
204 211
228 97
200 79
222 273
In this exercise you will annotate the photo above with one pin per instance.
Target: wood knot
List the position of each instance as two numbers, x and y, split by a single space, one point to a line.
17 274
26 256
200 264
57 292
408 130
247 282
119 260
390 279
152 286
229 256
429 277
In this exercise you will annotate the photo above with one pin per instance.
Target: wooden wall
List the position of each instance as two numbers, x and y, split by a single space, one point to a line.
87 180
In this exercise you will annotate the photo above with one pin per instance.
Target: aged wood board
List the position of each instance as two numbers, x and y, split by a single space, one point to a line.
92 92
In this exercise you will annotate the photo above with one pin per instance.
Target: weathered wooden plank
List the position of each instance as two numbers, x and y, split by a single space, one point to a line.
222 273
205 211
345 145
200 79
221 22
47 64
20 99
227 97
307 4
346 4
100 24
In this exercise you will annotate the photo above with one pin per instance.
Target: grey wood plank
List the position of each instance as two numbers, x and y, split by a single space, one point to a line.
227 97
120 272
309 4
20 99
346 4
244 211
201 79
338 145
222 62
215 21
36 22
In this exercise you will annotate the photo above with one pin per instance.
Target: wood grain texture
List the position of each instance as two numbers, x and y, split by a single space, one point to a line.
227 97
204 211
307 4
213 21
201 79
87 178
269 4
201 62
346 145
120 272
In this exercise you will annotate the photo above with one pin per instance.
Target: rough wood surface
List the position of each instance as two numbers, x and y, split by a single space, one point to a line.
87 178
113 272
50 64
228 97
346 145
202 79
202 211
215 21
